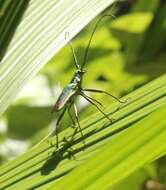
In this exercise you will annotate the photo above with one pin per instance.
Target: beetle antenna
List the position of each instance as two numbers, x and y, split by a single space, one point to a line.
67 37
91 37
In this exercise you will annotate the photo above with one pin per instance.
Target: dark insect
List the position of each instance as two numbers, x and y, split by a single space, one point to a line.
67 97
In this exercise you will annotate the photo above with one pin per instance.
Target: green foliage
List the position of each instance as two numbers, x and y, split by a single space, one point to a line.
125 155
112 150
39 36
126 52
10 16
133 23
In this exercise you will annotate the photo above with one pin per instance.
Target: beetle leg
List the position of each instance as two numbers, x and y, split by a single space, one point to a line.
101 91
76 115
94 100
90 101
57 125
71 117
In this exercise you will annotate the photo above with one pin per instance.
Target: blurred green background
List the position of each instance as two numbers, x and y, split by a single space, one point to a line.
127 51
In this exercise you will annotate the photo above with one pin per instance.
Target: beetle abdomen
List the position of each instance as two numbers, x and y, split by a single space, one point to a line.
64 97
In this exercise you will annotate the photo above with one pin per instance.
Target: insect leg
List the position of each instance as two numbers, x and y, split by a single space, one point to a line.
70 115
101 91
53 132
73 121
94 100
76 115
57 125
90 101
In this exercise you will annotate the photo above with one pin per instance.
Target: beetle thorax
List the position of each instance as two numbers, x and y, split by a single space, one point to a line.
77 77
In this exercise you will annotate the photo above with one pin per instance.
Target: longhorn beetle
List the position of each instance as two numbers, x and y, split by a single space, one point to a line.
68 95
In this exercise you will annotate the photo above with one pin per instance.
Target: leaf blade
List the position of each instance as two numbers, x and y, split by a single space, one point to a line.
39 37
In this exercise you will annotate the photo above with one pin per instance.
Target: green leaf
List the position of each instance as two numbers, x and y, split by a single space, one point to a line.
142 6
112 151
156 37
11 13
16 123
130 30
133 23
39 36
122 155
